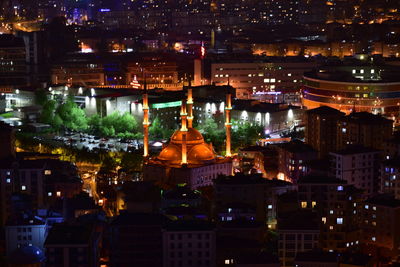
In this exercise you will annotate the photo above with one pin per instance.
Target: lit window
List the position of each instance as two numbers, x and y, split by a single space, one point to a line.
354 71
339 220
229 210
272 80
331 212
373 238
47 172
362 71
23 188
304 204
366 207
272 87
340 188
49 194
58 193
374 207
289 74
266 80
324 220
344 130
331 227
313 204
270 207
372 71
8 180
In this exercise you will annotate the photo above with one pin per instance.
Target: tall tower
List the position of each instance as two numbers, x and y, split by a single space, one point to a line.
190 107
146 123
228 124
184 130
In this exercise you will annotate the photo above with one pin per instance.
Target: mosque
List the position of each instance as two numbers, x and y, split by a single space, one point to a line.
186 158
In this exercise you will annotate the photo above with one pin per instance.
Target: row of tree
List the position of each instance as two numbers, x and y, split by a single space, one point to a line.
66 114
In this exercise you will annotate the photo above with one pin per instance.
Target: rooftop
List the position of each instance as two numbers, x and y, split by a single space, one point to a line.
189 225
325 110
316 179
355 149
384 200
242 179
296 146
69 234
142 219
365 118
316 256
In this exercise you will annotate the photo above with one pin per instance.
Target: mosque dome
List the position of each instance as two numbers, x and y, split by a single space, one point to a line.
201 153
171 153
198 151
193 137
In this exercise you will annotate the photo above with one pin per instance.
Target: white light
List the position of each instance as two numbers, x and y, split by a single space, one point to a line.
92 92
49 194
23 188
339 220
222 107
290 114
267 118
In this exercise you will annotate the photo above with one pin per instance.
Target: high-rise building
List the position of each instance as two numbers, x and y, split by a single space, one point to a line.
72 245
358 166
189 243
381 217
292 158
363 128
320 129
336 204
136 240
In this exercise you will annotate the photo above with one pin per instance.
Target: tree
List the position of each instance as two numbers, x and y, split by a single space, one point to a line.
125 123
244 133
47 115
156 129
211 133
94 124
72 116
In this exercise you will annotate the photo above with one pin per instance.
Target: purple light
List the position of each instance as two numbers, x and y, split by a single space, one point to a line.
105 10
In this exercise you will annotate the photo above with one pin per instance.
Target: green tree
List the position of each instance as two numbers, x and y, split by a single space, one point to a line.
72 116
244 133
47 115
156 130
125 123
94 124
211 132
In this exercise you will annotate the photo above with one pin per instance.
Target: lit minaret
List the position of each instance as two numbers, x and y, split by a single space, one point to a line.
228 124
190 107
184 132
146 123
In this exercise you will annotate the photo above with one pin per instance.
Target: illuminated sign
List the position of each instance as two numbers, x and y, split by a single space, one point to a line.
167 104
105 10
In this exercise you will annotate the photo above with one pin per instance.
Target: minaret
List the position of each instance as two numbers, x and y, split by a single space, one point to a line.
146 122
190 106
228 124
184 130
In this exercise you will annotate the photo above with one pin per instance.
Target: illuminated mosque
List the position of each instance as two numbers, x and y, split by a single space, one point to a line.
186 158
